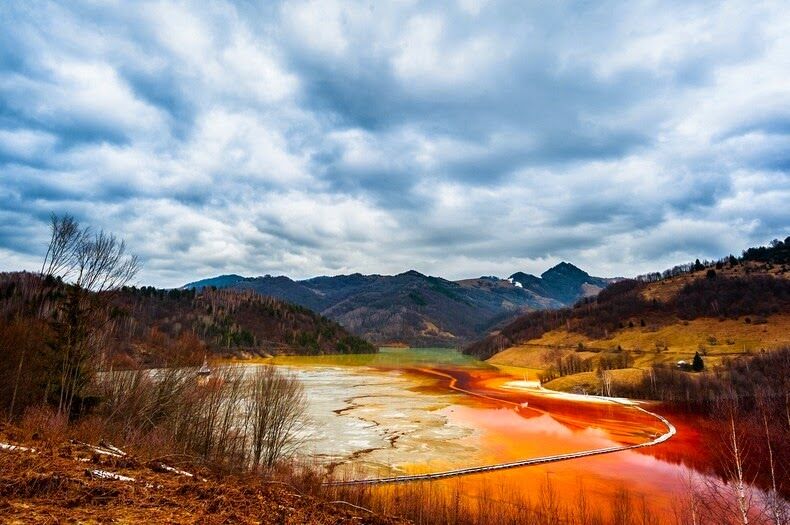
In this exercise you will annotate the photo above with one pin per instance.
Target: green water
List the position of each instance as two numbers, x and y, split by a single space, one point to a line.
390 358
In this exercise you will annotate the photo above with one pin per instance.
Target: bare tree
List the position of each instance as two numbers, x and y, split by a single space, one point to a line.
549 506
732 501
96 264
621 507
606 382
102 264
688 508
776 508
742 496
276 406
65 238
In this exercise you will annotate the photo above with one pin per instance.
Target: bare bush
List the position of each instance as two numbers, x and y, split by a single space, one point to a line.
232 420
277 404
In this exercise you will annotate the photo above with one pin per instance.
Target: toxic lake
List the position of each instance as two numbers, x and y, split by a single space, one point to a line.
404 412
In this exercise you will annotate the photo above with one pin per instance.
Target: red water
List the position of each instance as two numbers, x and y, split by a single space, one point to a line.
519 424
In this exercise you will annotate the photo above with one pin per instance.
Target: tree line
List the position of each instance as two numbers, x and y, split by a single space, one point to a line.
777 252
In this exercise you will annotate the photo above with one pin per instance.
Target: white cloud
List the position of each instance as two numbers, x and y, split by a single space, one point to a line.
324 137
82 93
318 24
425 60
26 143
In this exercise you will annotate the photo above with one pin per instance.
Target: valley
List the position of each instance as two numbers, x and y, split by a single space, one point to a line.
567 398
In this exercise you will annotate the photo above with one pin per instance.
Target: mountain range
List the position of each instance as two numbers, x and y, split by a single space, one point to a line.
420 310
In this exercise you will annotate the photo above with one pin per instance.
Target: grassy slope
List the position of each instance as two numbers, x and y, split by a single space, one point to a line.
589 382
681 340
657 342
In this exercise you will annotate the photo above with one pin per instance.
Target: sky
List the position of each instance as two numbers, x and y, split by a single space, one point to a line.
458 139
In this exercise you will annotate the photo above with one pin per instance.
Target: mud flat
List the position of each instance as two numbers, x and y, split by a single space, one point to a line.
412 411
364 422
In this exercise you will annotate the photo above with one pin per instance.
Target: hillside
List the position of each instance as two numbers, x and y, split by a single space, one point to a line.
421 310
153 326
229 322
47 476
720 309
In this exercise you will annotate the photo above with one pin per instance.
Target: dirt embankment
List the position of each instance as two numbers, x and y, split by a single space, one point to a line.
74 482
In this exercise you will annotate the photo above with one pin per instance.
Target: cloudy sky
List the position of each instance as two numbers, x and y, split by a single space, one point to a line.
458 139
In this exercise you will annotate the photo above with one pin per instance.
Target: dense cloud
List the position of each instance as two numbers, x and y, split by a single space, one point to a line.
328 137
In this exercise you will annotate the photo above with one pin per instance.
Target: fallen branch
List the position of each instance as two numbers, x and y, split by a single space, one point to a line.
112 448
100 450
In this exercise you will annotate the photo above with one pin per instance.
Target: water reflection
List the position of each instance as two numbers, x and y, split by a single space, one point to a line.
426 410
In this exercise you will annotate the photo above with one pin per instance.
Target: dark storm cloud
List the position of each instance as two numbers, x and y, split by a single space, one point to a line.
464 138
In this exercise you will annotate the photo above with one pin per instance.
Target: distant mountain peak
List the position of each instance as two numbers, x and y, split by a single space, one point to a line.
565 269
412 273
564 282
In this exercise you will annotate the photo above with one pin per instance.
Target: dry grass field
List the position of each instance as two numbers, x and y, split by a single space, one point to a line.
659 340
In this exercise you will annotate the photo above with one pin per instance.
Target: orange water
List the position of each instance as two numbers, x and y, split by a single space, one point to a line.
519 424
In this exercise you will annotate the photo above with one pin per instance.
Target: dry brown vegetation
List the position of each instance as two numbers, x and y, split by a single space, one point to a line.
70 482
233 421
470 502
456 503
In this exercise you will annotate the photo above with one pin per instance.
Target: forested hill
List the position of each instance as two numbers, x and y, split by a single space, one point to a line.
154 326
750 288
229 321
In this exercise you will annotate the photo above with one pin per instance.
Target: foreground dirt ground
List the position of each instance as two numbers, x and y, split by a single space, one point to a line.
74 482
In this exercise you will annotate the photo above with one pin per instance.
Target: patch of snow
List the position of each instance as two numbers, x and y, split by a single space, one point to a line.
103 474
180 472
8 446
113 448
